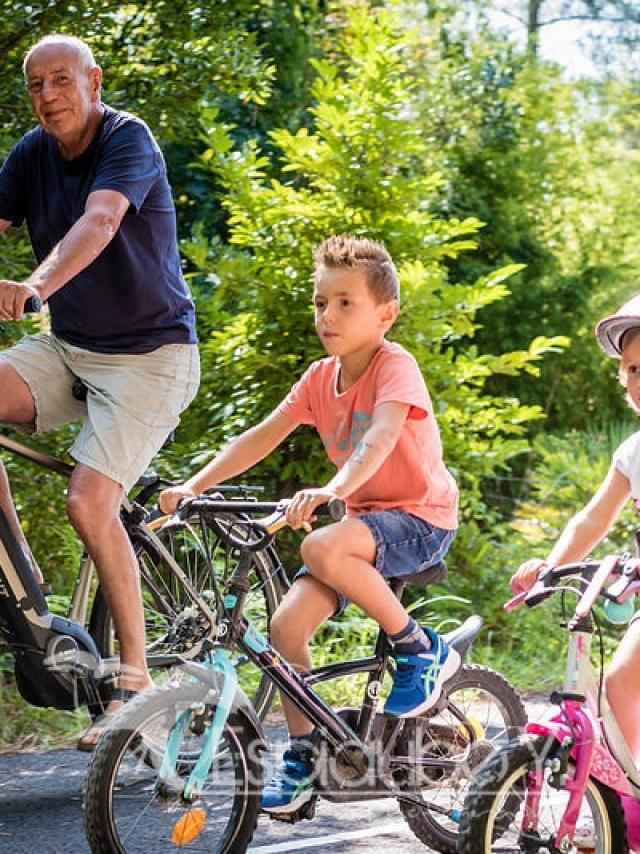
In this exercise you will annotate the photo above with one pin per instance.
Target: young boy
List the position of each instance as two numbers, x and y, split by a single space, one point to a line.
370 405
619 336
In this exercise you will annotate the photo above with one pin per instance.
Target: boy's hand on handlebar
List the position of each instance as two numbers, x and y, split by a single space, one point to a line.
13 296
303 505
526 575
169 499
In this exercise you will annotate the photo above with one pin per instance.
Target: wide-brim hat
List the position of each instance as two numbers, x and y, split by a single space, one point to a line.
611 330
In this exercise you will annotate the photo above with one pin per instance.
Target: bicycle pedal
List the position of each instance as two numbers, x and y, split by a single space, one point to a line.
306 811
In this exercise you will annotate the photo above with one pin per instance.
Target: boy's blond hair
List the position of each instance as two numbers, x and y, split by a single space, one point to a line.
345 251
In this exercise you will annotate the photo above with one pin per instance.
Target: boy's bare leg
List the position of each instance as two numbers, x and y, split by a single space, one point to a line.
341 556
307 605
623 688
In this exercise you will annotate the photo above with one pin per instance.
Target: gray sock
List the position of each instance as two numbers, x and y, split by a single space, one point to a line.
412 640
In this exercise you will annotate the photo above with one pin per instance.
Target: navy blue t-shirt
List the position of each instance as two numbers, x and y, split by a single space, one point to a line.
133 297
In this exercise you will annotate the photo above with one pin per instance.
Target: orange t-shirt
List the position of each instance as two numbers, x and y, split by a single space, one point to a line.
413 477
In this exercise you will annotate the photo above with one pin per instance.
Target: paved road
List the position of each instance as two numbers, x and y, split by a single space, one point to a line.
41 810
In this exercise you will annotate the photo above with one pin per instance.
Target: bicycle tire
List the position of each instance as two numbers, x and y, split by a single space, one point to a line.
486 826
124 812
172 625
478 698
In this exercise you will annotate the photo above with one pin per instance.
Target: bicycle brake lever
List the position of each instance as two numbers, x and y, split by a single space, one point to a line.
517 600
628 584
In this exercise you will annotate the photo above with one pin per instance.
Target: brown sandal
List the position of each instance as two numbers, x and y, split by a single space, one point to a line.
91 736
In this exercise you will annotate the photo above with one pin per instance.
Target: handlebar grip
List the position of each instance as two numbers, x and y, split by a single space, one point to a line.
538 593
32 305
335 508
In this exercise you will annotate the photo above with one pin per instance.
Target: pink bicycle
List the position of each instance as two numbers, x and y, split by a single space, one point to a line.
569 784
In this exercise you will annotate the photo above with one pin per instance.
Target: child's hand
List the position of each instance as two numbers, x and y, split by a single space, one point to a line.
169 499
526 575
303 504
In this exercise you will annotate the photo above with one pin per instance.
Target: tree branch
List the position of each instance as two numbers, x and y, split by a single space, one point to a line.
30 24
595 19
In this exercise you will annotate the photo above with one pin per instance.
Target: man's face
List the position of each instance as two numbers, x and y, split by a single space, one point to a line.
63 92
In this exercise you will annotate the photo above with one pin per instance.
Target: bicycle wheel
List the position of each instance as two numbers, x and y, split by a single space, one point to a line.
493 811
173 623
126 812
482 712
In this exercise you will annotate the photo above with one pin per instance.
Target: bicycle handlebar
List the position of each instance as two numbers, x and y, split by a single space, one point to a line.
32 305
227 517
625 568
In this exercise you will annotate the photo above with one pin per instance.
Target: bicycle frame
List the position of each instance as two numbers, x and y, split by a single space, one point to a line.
79 603
585 723
61 644
138 528
352 743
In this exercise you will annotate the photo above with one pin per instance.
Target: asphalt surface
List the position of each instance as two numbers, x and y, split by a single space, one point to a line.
41 810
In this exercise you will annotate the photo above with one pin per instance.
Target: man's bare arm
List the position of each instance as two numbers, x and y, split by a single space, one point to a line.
81 245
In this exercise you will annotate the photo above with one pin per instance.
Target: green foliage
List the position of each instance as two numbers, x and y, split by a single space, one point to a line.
24 727
362 166
550 167
567 471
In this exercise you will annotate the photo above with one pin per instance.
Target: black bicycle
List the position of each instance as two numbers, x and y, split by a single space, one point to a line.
67 662
182 765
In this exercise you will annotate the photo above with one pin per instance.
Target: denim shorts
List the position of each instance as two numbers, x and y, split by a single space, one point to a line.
405 544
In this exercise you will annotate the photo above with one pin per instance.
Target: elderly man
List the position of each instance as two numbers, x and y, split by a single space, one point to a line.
91 184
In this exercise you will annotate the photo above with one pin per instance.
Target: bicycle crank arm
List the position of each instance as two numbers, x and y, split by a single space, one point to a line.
417 801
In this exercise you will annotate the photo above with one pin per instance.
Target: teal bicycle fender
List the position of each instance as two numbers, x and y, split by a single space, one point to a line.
223 665
213 678
167 772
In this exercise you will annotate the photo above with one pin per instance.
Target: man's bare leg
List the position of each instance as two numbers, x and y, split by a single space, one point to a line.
16 407
93 505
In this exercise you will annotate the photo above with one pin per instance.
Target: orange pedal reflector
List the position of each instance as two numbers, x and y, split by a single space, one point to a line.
188 826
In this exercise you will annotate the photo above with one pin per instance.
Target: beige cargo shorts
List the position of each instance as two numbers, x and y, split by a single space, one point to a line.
133 402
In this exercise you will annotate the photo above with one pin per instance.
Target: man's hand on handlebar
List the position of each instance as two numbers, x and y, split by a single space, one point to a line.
13 296
526 575
303 505
169 499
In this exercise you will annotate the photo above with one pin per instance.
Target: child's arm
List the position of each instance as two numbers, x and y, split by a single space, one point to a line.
367 457
239 455
583 532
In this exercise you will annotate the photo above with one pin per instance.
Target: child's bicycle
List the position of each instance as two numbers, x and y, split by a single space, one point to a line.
182 765
562 786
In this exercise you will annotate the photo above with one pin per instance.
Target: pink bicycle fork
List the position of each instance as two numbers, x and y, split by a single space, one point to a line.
574 726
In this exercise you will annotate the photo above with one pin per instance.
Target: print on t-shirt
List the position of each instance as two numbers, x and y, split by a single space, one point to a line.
341 442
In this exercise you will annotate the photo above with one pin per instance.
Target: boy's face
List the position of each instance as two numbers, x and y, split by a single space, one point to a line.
630 368
348 319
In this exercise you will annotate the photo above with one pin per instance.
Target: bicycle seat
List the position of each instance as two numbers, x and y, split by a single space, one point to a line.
429 575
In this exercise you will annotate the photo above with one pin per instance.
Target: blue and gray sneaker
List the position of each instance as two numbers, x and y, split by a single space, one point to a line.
418 679
291 785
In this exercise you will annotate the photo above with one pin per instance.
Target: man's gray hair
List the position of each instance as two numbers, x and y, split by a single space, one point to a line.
82 48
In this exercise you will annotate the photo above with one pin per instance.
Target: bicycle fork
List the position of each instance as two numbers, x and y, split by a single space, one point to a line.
573 728
168 775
